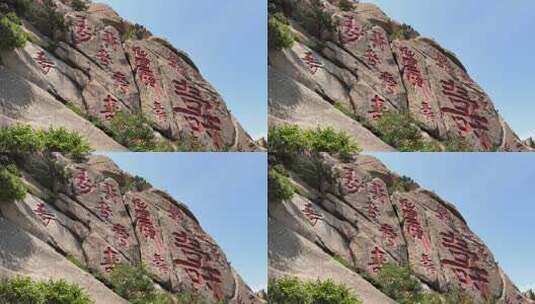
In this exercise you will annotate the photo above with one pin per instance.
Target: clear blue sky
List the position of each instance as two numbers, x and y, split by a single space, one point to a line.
493 39
227 192
226 40
493 191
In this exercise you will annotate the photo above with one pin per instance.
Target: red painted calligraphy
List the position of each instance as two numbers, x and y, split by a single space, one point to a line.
44 62
351 31
45 215
464 112
110 40
377 191
351 182
377 105
410 216
104 57
427 110
442 61
373 210
110 192
310 212
159 262
143 69
389 234
174 213
83 182
105 210
110 107
194 263
176 64
197 111
389 82
427 263
378 40
443 214
159 110
119 80
372 57
122 234
82 30
463 263
410 67
313 64
377 259
110 259
143 219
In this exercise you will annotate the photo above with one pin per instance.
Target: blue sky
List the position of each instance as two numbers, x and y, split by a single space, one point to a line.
226 40
493 39
227 192
493 191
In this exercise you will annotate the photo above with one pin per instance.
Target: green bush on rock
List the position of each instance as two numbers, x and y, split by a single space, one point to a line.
24 291
279 34
11 33
279 186
293 290
11 186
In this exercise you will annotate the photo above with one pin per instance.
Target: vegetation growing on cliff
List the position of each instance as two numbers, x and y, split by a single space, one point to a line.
279 34
279 186
11 33
11 186
293 290
25 291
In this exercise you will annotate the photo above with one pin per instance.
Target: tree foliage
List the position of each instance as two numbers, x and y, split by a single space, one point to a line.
295 291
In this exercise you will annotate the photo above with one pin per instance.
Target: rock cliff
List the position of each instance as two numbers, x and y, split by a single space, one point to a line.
81 67
349 218
350 64
94 213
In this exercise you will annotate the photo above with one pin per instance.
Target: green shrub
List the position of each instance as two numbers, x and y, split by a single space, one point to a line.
279 34
187 297
20 7
402 32
279 186
398 283
530 294
78 5
403 184
345 5
11 33
23 139
290 140
457 145
295 291
401 132
315 20
134 132
25 291
11 186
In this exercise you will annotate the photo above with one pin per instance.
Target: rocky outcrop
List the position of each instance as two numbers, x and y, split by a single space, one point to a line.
350 218
100 216
367 64
98 64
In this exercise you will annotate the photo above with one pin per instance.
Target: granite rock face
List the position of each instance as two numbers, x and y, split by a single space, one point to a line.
97 214
355 218
100 64
368 64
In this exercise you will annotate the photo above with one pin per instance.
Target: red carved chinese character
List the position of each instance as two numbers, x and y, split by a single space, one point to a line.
312 215
45 215
378 40
410 216
143 67
427 263
443 214
464 112
377 259
373 210
119 79
122 234
110 259
159 262
442 61
389 82
44 62
110 192
83 182
174 213
82 29
427 110
377 105
104 57
372 57
159 110
410 67
176 64
389 234
351 182
378 191
110 40
105 210
312 63
351 31
110 107
143 219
